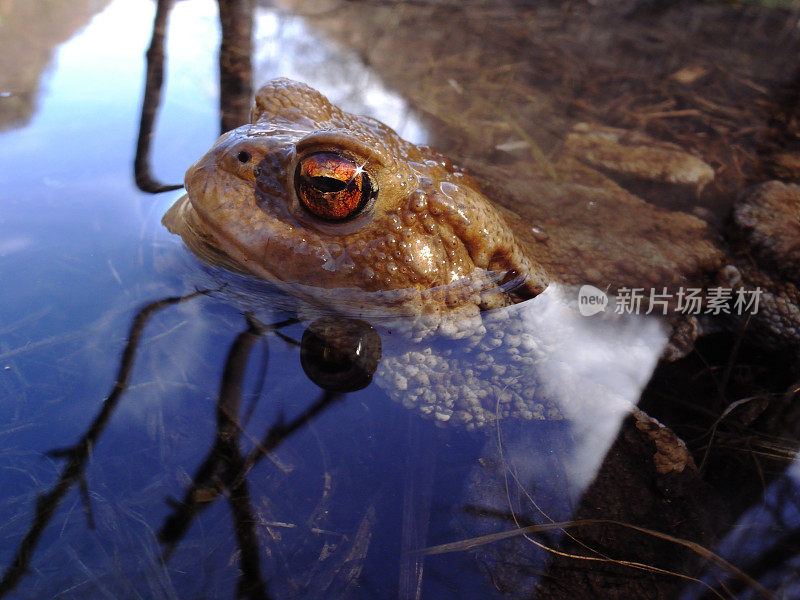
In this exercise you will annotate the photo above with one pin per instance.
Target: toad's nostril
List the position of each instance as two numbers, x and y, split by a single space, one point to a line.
244 156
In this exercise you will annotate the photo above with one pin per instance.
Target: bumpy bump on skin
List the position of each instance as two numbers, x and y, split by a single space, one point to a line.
496 383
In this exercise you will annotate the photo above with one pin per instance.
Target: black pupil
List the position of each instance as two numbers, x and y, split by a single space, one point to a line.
244 156
327 185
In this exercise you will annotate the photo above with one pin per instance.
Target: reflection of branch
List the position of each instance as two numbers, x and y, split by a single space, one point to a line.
226 470
251 584
152 98
78 454
280 431
235 68
225 448
236 80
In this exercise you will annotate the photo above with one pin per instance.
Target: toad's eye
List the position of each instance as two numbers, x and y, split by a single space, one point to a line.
331 186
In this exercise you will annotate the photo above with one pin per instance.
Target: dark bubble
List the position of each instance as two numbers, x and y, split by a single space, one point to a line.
340 355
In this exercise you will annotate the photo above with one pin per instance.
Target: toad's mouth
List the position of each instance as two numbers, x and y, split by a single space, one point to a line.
182 219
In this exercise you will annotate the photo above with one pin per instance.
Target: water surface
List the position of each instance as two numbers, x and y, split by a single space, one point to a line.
219 469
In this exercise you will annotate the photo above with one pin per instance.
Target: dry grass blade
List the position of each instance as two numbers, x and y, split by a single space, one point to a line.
717 560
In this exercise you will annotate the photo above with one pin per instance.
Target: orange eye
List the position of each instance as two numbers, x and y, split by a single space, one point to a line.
331 186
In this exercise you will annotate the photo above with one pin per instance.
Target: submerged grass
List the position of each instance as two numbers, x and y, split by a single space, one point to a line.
476 542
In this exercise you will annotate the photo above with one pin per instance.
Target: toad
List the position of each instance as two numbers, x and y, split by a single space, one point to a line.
338 210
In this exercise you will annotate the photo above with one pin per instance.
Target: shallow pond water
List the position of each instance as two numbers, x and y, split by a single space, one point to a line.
160 436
